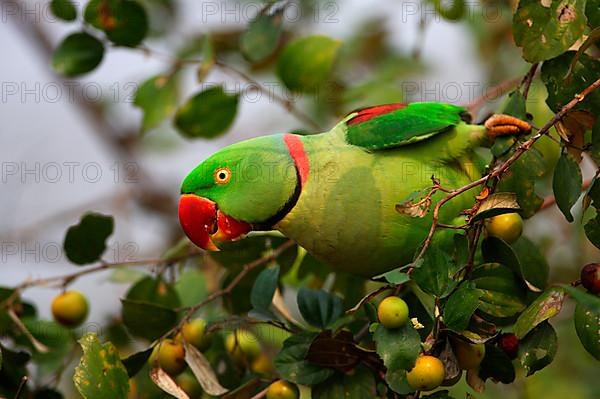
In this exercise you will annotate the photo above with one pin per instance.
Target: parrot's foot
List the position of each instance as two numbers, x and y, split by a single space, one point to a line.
501 125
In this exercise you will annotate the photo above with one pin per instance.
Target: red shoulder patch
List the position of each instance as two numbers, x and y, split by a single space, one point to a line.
366 114
296 150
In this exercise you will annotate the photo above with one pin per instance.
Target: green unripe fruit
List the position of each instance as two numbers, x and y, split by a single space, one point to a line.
469 356
70 308
392 312
508 226
427 374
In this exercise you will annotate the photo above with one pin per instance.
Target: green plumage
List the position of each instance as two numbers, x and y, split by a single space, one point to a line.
345 213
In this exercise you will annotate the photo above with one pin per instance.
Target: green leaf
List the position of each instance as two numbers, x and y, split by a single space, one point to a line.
124 22
264 288
135 362
12 376
263 34
521 179
148 308
566 184
358 384
53 336
502 295
100 373
460 307
560 90
523 258
533 265
208 114
545 29
130 24
395 276
191 287
433 276
306 63
497 365
587 326
86 242
319 308
399 349
64 9
592 12
157 98
538 348
147 320
453 13
588 301
497 204
592 230
77 54
208 59
545 306
154 290
292 365
515 106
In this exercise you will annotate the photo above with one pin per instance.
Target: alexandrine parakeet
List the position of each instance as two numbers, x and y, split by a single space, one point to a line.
335 193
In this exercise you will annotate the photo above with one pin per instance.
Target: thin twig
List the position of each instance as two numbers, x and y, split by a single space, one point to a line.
64 279
261 394
526 82
286 103
498 90
247 268
500 169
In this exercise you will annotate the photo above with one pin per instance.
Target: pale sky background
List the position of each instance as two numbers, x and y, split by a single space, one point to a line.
50 133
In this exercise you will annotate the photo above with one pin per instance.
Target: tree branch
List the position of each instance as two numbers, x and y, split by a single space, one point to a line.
500 169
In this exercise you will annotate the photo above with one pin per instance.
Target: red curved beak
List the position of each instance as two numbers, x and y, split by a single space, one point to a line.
205 225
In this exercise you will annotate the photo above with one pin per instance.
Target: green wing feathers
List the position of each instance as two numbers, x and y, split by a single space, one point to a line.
395 125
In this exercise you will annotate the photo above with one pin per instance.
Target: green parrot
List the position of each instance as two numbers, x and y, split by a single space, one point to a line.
335 193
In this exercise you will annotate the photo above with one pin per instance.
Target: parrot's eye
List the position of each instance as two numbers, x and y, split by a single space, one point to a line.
222 175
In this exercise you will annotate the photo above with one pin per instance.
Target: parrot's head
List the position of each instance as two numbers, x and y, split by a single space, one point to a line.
247 186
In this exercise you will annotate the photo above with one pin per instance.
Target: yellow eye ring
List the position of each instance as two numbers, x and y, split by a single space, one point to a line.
222 175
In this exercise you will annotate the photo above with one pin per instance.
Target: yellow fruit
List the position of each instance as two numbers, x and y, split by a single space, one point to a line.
469 356
193 333
282 390
392 312
243 346
427 374
169 355
69 308
507 226
189 384
262 365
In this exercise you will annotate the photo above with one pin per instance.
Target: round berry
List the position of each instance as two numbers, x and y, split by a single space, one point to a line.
169 355
194 334
507 226
69 308
509 343
427 374
590 277
469 356
243 346
282 390
392 312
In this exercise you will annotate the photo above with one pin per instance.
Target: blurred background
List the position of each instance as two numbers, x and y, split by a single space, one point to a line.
73 145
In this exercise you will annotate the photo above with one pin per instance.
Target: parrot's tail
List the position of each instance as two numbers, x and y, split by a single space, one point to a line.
501 125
